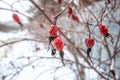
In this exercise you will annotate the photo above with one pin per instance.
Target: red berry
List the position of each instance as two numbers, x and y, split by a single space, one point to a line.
75 18
59 1
69 11
53 11
103 29
89 42
58 44
16 17
41 25
53 31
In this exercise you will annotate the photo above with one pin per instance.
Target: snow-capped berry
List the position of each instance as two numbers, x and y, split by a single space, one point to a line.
69 11
103 29
58 44
75 18
53 31
16 17
89 42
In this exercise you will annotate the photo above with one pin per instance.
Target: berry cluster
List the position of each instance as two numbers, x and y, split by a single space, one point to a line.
56 41
70 14
55 38
89 42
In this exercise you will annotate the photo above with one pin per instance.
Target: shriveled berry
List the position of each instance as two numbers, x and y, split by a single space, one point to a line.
41 25
69 11
75 18
59 1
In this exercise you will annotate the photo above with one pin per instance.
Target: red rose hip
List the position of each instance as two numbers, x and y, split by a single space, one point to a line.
89 42
58 44
16 17
53 31
59 1
103 29
69 11
75 18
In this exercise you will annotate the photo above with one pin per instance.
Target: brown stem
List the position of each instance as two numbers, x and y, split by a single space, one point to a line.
56 17
32 1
